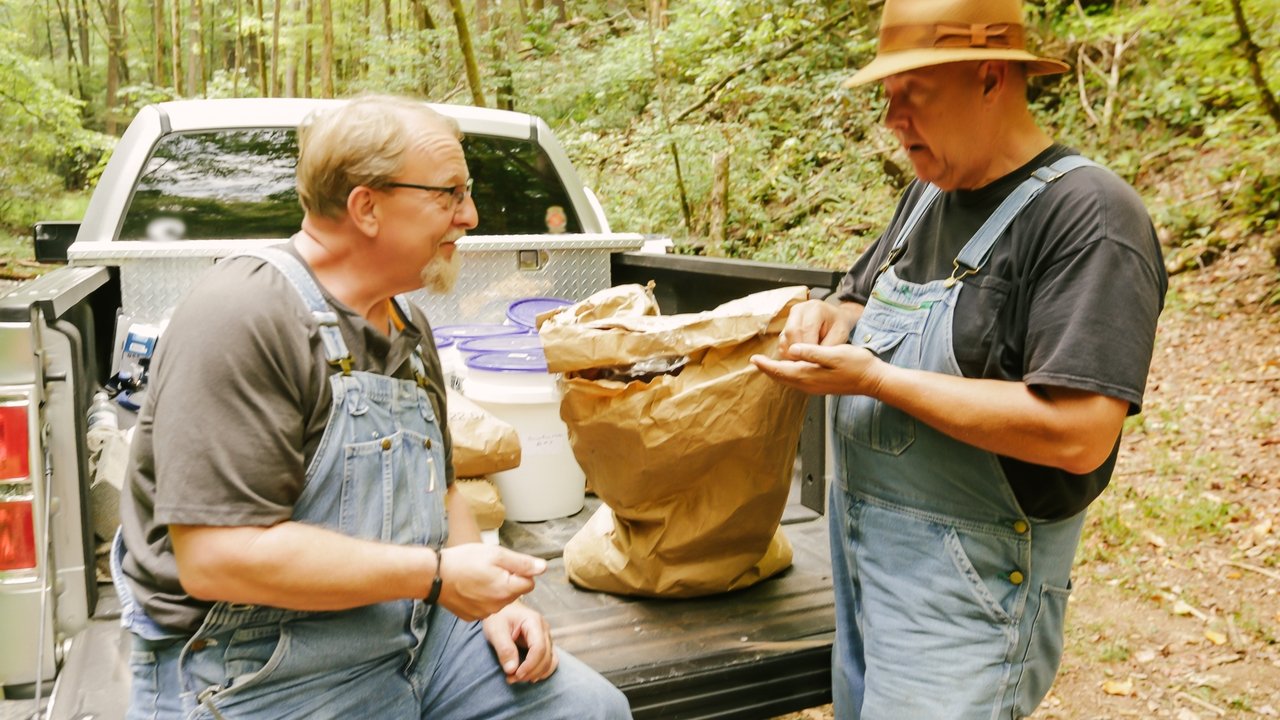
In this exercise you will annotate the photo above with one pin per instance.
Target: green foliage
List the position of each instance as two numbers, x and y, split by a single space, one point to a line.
46 149
1161 92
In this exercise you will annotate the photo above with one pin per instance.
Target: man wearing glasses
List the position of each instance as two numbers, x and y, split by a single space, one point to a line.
292 545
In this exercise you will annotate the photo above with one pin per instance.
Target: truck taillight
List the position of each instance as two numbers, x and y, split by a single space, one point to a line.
17 527
17 534
15 450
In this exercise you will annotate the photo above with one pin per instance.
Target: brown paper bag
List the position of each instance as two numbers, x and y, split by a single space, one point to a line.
694 468
482 443
482 495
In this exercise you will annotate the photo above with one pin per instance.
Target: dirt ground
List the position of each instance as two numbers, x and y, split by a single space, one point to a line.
1176 608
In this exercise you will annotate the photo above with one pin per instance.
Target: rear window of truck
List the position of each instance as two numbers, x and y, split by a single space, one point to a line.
239 184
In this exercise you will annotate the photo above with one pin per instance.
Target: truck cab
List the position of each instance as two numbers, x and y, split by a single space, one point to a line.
192 182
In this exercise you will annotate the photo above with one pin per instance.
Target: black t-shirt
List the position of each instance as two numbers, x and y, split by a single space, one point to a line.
1069 298
238 402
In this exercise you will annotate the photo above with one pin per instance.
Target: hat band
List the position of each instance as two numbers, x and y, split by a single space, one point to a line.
895 38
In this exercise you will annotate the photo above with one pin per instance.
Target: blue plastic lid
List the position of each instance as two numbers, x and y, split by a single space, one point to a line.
501 343
531 361
476 330
525 312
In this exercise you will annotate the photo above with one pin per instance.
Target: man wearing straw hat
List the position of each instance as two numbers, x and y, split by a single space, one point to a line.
982 356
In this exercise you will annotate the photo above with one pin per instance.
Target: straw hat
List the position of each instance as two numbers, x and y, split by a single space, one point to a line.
920 33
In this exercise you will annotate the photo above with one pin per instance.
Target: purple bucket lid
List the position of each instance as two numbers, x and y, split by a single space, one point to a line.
525 312
476 330
442 341
501 343
530 361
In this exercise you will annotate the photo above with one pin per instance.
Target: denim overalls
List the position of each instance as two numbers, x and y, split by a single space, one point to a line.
949 599
377 474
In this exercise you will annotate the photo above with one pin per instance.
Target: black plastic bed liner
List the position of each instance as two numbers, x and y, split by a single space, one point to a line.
754 653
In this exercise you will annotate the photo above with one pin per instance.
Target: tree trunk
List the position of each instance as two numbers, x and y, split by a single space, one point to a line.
175 49
422 15
158 49
82 28
658 14
511 16
260 50
111 15
307 63
482 16
1251 53
719 206
235 69
326 49
422 22
561 15
73 64
505 97
291 67
195 51
468 53
275 50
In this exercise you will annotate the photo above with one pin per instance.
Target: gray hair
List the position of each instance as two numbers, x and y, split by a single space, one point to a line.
362 142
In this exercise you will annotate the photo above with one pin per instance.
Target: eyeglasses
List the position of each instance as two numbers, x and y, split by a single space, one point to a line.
457 193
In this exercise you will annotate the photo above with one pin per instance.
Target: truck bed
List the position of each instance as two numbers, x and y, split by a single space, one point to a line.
754 653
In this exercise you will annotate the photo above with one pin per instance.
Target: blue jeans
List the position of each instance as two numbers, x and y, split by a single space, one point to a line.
268 672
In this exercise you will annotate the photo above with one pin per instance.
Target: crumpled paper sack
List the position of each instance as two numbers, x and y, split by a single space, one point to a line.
693 468
482 443
482 495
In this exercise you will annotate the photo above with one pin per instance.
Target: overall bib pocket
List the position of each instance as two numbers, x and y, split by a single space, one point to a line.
868 421
369 470
422 521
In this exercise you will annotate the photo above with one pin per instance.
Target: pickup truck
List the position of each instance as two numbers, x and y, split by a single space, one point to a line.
191 182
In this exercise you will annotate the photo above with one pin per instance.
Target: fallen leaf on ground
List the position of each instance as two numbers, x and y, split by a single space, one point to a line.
1118 687
1216 638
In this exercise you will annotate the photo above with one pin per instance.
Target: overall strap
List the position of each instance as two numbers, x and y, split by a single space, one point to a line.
335 348
927 196
977 251
419 365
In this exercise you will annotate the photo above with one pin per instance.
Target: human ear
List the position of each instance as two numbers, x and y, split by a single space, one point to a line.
362 208
991 74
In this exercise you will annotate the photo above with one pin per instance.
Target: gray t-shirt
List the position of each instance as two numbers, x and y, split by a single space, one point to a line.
1069 298
237 404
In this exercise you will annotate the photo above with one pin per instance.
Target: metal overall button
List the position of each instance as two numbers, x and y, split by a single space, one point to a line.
1021 527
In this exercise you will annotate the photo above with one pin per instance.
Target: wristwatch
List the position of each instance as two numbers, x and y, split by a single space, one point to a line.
436 583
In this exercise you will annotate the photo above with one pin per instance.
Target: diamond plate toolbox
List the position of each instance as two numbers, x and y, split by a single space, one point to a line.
495 271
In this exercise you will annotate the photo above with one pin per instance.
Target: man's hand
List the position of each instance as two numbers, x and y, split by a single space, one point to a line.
816 322
823 370
516 628
480 579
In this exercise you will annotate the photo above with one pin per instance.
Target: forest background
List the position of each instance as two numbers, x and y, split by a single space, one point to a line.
722 125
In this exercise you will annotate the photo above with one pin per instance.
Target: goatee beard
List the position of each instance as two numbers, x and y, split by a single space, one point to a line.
440 275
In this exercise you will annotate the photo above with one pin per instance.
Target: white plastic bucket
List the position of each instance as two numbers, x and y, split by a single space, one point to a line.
450 337
451 362
516 388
